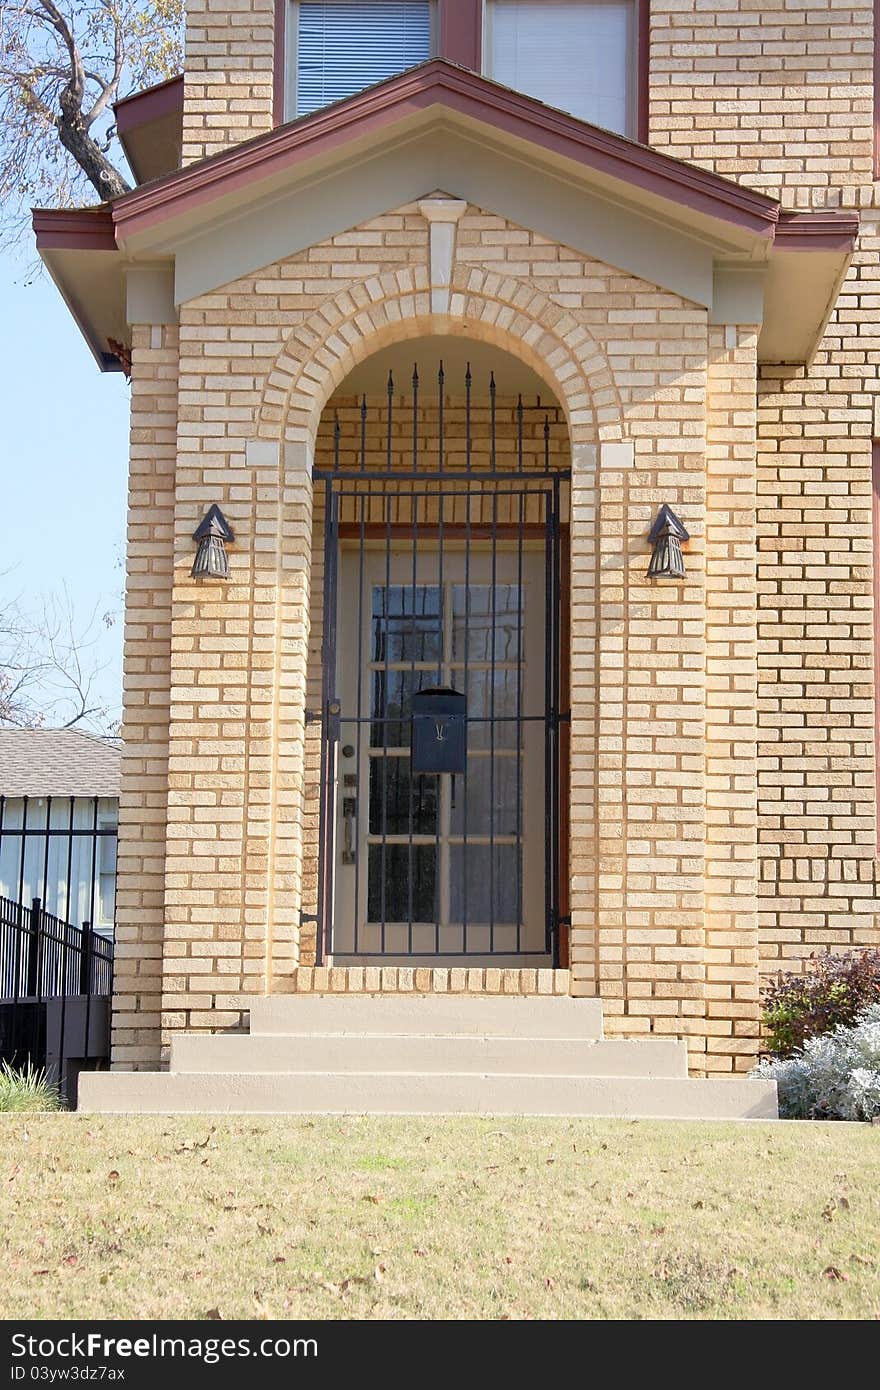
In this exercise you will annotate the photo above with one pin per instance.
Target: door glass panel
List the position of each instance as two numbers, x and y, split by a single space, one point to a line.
396 876
502 729
490 896
402 801
407 623
472 622
482 789
429 879
391 695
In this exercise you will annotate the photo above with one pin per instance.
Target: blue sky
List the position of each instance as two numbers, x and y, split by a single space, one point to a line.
63 461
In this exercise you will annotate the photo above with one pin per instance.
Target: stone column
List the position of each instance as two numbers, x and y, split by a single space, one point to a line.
638 728
731 701
143 802
234 846
291 667
584 678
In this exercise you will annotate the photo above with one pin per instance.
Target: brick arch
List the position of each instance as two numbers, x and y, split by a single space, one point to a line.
321 351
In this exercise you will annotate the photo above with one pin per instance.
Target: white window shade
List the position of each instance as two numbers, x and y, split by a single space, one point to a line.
577 55
339 47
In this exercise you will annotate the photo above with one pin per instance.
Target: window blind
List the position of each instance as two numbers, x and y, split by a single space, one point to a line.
343 46
577 55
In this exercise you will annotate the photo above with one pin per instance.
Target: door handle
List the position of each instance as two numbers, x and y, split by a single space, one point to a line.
349 829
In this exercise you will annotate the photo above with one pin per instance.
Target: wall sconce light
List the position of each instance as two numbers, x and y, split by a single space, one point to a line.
212 534
666 536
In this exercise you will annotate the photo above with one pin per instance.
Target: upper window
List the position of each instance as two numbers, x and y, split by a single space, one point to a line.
577 55
338 47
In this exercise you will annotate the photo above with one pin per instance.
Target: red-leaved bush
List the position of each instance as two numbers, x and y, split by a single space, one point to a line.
834 989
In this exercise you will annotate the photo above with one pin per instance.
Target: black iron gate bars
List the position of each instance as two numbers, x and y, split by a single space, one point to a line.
473 533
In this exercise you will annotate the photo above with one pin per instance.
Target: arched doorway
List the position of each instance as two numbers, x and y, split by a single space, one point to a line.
439 697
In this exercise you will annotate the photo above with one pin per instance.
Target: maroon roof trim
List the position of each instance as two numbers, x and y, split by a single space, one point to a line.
461 33
74 229
152 104
279 62
817 231
643 70
471 95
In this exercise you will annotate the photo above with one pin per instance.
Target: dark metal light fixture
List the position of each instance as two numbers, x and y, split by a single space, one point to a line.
212 533
666 536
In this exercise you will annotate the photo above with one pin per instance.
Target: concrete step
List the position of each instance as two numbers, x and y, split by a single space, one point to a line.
415 1093
429 1054
487 1016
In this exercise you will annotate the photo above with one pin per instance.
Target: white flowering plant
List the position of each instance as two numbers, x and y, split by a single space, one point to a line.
835 1076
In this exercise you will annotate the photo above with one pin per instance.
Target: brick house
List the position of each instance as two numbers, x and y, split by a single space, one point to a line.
464 316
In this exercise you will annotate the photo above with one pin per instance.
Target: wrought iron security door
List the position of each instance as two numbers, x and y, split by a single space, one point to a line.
448 578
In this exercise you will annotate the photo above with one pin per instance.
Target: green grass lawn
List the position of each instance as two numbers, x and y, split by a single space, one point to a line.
436 1218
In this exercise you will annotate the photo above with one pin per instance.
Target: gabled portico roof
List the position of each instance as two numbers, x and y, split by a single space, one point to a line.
440 126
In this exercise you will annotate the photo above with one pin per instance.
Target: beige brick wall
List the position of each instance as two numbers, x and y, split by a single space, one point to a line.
230 48
776 94
779 96
424 980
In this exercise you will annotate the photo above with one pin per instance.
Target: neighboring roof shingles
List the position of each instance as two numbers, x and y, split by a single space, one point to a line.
58 762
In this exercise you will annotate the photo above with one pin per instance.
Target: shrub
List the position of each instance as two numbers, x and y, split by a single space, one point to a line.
835 1077
26 1089
834 991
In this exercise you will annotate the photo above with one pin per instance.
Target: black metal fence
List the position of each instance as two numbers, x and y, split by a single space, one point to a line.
55 986
62 850
43 957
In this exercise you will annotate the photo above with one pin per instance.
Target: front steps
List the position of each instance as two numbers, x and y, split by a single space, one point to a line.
426 1054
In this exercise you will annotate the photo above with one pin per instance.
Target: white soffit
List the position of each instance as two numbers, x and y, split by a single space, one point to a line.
91 286
800 293
243 239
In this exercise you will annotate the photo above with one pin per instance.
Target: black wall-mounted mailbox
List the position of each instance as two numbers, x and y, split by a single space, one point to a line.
439 730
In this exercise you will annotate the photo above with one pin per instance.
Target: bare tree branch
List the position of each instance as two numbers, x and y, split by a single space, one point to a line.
75 75
63 64
110 87
50 667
